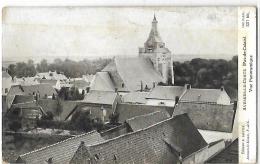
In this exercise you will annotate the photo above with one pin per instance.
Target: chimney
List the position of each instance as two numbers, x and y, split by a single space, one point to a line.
222 88
141 87
177 98
187 86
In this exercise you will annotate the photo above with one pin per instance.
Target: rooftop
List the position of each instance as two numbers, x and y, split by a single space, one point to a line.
60 152
166 92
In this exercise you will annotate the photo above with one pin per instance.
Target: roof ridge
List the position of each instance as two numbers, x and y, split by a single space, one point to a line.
149 114
77 136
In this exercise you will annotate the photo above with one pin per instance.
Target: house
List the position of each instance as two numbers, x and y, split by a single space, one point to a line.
211 96
51 75
174 140
49 105
39 90
6 82
128 111
135 124
25 113
60 152
227 155
165 95
144 121
100 104
214 121
54 83
135 97
26 81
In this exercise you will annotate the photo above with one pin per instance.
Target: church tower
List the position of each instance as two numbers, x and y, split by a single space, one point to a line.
154 49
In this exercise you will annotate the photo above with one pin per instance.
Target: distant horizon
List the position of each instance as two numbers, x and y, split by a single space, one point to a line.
89 32
178 58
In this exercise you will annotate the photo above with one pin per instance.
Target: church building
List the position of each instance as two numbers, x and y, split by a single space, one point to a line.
153 65
154 49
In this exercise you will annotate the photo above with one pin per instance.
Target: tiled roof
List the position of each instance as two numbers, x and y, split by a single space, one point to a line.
102 82
144 121
227 155
51 105
148 145
43 89
5 75
127 111
166 92
135 97
23 99
205 116
202 95
60 152
134 71
100 97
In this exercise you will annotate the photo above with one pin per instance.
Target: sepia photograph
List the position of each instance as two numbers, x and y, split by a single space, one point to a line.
139 85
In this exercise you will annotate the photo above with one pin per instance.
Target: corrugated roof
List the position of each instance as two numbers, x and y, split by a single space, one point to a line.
127 111
133 71
135 97
61 152
100 97
166 92
144 121
148 145
203 95
102 82
206 116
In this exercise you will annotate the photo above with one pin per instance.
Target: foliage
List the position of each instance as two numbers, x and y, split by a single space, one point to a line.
69 67
70 94
59 108
82 120
15 125
22 69
48 116
113 118
212 73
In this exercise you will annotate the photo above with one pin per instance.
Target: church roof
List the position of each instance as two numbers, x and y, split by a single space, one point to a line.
137 70
154 34
102 82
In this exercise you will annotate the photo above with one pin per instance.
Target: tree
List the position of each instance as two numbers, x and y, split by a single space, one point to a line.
15 126
113 118
82 120
59 108
11 70
48 116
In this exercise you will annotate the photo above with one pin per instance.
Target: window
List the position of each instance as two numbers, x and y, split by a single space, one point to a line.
123 85
6 90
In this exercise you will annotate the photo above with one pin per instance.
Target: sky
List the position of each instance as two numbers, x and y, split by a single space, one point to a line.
92 32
